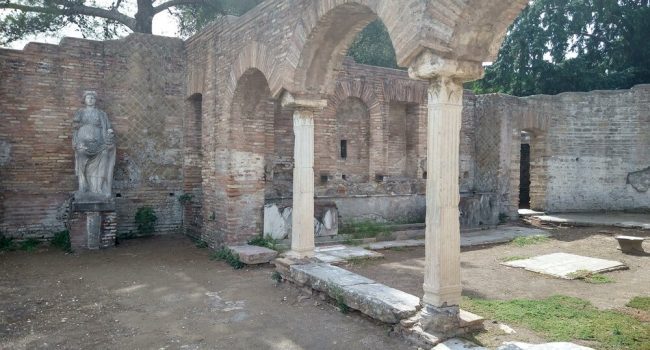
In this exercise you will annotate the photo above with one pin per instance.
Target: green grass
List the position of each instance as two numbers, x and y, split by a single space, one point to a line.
590 277
61 240
562 318
365 229
337 293
225 254
30 244
529 240
641 303
513 258
266 242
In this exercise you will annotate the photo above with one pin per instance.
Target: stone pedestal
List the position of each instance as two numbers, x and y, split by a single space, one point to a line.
93 225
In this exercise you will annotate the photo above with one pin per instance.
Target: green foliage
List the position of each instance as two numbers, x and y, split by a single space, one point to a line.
590 277
503 218
194 18
7 244
513 258
266 242
145 219
365 229
373 46
30 244
575 45
61 240
185 198
641 303
227 255
529 240
276 276
201 244
562 318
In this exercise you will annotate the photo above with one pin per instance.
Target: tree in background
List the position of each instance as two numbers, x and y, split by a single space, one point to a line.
20 18
373 46
573 45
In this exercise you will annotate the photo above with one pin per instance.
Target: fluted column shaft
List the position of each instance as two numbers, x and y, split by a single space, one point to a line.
302 224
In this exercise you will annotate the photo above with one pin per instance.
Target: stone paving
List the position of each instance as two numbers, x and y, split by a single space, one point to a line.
567 266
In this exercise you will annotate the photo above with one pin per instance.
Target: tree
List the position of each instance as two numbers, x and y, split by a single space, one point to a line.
573 45
374 47
28 17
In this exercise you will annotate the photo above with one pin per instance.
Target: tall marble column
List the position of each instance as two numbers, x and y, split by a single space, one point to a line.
442 282
302 217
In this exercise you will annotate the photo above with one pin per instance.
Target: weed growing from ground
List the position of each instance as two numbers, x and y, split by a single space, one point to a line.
201 244
185 198
562 318
7 244
266 242
365 229
530 240
336 292
145 219
61 240
227 255
276 276
30 244
641 303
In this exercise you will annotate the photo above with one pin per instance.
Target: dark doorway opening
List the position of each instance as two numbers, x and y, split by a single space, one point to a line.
524 172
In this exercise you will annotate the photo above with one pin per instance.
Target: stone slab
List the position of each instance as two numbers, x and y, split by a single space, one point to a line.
529 212
253 255
93 206
341 253
371 298
563 265
458 344
470 320
547 346
624 220
395 244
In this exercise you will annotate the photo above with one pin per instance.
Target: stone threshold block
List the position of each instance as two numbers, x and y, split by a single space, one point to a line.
566 266
253 255
337 254
360 293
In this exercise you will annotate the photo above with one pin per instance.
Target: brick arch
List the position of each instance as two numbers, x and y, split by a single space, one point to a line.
358 89
324 33
258 56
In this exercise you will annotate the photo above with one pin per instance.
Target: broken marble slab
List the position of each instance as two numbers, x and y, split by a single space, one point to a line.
253 255
458 344
566 266
547 346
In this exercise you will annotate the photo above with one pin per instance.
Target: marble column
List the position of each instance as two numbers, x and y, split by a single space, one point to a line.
442 282
302 217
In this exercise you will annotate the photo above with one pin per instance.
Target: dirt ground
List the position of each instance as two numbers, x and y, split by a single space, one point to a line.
484 277
164 293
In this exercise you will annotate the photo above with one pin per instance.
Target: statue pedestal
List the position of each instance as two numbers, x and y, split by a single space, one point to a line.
93 224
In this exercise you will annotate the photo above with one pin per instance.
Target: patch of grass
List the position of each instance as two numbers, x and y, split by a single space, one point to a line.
227 255
30 244
337 293
562 318
513 258
266 242
530 240
7 244
365 229
641 303
589 277
201 244
276 276
357 260
61 240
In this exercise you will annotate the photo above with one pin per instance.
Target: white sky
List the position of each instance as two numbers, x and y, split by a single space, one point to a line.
163 24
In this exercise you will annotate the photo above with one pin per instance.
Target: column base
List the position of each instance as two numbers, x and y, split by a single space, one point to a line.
443 320
299 254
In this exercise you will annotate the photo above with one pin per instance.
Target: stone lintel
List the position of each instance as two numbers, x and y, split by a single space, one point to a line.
430 66
299 102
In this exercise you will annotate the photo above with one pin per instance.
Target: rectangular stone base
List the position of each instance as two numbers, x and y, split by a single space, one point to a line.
93 230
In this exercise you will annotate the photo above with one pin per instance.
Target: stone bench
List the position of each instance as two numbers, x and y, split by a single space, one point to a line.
630 244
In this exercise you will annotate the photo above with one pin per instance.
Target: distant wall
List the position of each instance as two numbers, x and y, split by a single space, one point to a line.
140 81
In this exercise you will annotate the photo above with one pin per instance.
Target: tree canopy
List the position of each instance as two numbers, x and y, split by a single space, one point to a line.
573 45
107 19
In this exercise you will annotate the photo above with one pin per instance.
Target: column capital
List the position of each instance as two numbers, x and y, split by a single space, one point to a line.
430 66
291 101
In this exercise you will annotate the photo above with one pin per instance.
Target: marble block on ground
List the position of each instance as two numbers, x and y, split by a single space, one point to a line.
371 298
253 255
458 344
565 265
341 253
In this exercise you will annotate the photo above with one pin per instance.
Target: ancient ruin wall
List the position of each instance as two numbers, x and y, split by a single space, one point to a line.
140 81
584 146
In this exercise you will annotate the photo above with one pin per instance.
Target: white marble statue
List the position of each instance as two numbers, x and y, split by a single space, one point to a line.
94 144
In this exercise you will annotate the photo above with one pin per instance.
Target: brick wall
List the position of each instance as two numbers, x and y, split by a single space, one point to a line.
140 81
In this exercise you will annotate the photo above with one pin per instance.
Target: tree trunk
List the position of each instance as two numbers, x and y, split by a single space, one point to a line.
144 17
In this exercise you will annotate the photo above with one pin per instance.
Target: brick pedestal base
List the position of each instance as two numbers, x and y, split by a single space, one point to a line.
93 230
